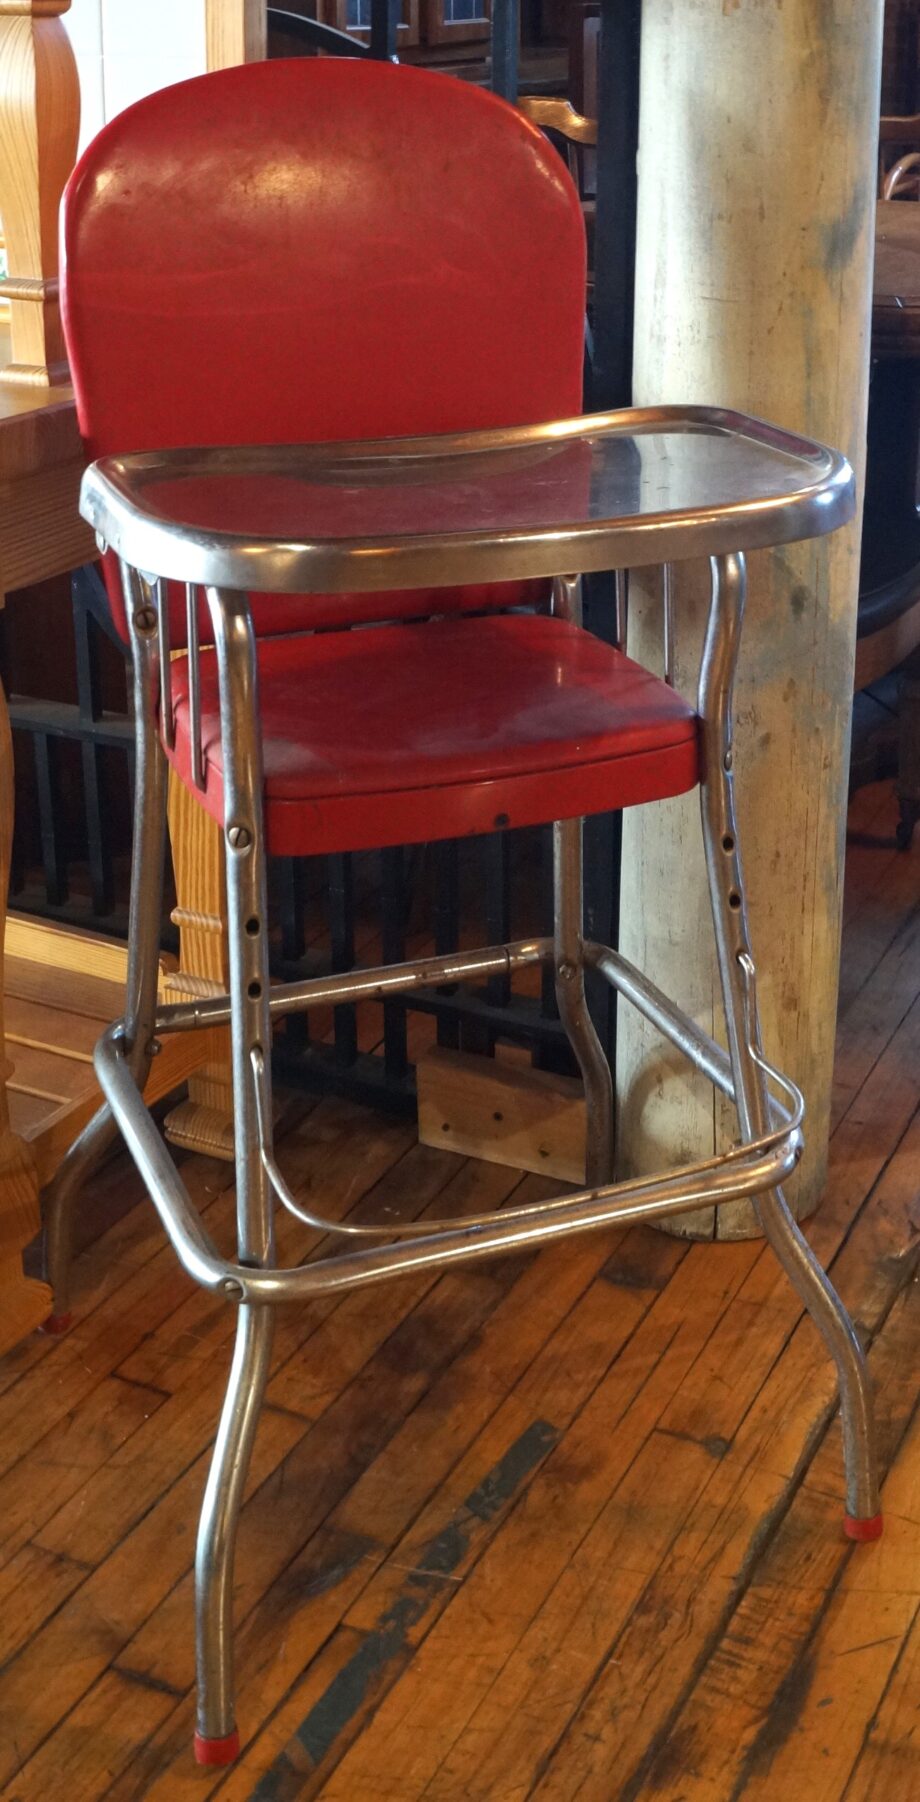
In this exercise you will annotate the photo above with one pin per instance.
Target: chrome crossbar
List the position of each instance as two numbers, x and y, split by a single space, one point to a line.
745 1170
376 984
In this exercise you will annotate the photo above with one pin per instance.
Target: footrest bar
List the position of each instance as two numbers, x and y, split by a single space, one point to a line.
746 1170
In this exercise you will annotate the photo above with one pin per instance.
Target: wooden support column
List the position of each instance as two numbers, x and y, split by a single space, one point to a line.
758 149
39 127
236 32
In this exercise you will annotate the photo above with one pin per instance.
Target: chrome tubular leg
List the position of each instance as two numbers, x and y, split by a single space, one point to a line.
736 968
216 1739
247 911
573 1007
145 917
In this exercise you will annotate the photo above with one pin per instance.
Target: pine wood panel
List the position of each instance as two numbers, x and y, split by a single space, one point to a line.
560 1526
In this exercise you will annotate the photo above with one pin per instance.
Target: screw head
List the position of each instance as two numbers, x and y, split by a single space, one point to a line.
566 972
145 619
101 545
232 1288
727 760
239 837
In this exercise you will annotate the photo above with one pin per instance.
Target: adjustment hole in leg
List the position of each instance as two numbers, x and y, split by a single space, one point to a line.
254 991
253 926
734 900
728 843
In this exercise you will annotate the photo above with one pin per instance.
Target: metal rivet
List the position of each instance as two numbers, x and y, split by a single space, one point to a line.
239 837
145 619
565 972
727 761
154 1048
231 1287
101 545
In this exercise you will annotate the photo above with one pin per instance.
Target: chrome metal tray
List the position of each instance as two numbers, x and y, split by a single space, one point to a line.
604 491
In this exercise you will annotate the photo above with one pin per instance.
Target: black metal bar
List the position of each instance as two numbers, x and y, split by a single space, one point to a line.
384 21
617 186
287 877
63 719
342 934
53 861
289 871
447 927
89 701
394 909
89 695
365 1079
521 1020
495 855
506 41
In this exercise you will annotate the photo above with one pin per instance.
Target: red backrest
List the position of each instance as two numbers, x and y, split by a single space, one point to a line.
320 249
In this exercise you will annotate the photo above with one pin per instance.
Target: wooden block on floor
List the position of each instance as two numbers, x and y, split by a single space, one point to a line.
506 1113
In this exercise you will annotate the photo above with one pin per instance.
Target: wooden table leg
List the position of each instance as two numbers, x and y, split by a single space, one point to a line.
204 1122
24 1303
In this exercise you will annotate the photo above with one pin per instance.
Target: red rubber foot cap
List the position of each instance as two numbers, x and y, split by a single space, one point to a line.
869 1527
217 1751
56 1324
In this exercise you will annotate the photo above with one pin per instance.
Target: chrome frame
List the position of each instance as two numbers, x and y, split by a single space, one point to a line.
768 1151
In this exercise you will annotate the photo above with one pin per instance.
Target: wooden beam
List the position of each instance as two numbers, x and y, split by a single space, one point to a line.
235 32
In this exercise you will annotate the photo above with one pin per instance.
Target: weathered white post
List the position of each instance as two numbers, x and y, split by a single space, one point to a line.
758 151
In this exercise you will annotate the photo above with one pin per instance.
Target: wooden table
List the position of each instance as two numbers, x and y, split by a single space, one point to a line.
896 283
889 613
59 988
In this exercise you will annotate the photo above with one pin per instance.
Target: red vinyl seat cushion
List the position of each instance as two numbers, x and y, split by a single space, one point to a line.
397 734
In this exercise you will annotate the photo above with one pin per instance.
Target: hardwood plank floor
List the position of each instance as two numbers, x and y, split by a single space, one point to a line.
559 1527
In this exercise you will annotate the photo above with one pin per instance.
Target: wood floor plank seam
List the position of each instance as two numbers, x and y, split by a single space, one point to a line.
634 1396
808 1449
632 1790
792 1687
521 1378
197 1458
877 1713
516 1501
769 1526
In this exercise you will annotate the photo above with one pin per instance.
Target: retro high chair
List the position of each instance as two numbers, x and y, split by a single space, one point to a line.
328 255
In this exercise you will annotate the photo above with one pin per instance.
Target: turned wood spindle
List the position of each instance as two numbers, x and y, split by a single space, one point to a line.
39 128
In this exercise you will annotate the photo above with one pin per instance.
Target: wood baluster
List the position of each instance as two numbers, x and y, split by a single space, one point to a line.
205 1121
39 128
